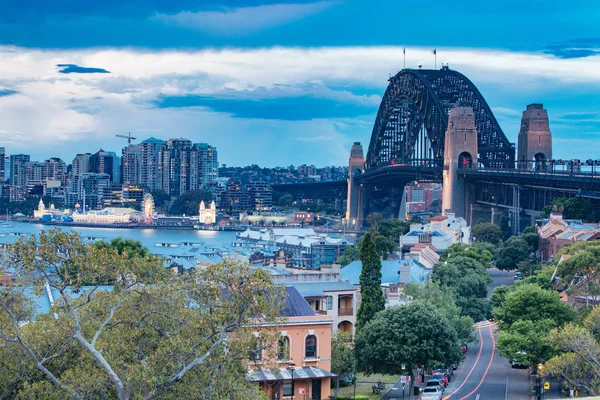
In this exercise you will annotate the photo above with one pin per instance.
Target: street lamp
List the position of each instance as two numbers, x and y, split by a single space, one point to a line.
539 381
403 377
291 368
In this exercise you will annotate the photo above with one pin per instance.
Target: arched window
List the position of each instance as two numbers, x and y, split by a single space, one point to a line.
310 346
283 349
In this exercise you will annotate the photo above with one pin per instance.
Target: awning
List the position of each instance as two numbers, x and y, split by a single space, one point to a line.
280 374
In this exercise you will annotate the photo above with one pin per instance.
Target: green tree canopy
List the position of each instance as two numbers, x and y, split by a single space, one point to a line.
531 303
573 208
189 202
417 333
525 341
373 221
128 247
349 254
478 253
512 252
160 197
372 300
285 200
487 232
153 335
342 354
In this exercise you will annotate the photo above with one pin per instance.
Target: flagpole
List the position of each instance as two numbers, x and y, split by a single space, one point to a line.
435 58
404 52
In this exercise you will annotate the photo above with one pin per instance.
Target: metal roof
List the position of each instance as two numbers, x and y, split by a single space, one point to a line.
280 374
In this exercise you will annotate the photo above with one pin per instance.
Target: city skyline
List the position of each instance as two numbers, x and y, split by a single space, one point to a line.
254 77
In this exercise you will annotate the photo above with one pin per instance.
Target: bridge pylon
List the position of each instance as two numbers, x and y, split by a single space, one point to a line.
535 139
460 153
354 205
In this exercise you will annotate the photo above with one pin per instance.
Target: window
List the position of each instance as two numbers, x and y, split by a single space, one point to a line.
283 349
288 388
256 354
329 302
310 347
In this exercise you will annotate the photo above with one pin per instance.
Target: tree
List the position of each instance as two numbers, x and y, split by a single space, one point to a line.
477 308
487 232
499 295
128 247
525 341
349 254
153 335
160 197
477 253
373 221
342 354
370 283
417 333
532 239
513 251
189 202
529 302
579 364
573 208
285 200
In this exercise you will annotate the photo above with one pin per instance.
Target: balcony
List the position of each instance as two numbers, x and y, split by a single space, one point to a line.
346 311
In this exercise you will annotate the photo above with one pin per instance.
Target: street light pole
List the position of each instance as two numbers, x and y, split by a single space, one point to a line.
291 367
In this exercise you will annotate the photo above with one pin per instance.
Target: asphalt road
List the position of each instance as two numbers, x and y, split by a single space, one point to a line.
500 278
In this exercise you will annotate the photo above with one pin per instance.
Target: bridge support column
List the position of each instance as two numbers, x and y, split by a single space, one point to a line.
535 139
460 152
355 203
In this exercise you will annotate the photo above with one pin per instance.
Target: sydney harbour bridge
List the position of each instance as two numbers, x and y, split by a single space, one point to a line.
434 125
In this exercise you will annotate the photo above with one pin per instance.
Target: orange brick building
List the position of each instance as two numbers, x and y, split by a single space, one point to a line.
302 366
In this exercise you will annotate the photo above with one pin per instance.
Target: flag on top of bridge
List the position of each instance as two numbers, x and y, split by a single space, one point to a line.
404 50
434 51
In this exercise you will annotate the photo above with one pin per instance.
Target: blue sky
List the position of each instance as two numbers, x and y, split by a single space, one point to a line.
275 83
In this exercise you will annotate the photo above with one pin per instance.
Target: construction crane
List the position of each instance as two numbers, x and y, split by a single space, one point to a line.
128 137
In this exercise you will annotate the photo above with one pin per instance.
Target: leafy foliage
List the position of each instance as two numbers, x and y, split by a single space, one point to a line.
189 202
573 208
160 197
370 283
525 341
512 252
349 254
342 354
153 335
412 334
487 232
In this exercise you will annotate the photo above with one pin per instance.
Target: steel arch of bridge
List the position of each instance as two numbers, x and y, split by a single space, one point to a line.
413 117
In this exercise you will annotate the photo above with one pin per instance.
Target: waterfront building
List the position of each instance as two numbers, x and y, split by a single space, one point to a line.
149 150
260 196
302 361
208 163
132 195
106 162
107 216
17 173
443 232
207 216
233 199
178 167
89 189
131 165
556 233
309 249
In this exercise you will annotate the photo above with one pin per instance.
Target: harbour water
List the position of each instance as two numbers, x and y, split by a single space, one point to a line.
157 241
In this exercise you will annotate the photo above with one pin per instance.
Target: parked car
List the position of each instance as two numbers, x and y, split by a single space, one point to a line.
438 383
441 376
431 393
519 360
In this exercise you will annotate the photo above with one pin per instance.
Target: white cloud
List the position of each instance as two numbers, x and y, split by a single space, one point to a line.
45 110
244 19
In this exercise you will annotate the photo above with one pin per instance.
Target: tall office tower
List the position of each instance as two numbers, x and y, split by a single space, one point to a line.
131 165
208 162
81 164
2 164
54 169
106 162
17 173
149 163
178 167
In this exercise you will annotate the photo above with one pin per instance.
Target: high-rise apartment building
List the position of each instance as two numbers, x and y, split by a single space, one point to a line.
260 196
131 165
17 172
178 167
54 169
149 163
209 163
81 164
2 164
106 162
